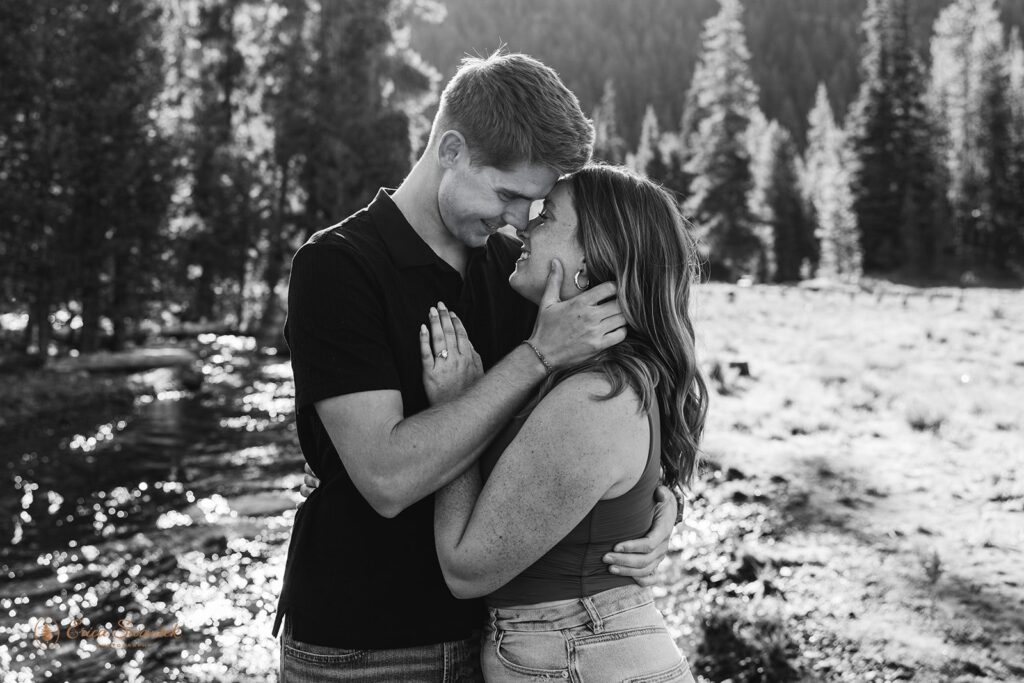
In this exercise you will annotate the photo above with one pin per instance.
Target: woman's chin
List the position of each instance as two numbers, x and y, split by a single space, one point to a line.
517 280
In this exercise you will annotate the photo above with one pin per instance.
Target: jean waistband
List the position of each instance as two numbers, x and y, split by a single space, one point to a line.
591 610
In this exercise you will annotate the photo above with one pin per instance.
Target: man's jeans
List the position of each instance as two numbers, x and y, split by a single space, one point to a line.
441 663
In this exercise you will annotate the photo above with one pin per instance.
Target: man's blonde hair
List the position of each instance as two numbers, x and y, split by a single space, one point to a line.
513 109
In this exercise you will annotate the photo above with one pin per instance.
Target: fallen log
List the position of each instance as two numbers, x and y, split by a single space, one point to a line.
126 361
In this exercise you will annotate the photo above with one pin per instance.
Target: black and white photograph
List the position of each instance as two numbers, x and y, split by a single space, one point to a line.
606 341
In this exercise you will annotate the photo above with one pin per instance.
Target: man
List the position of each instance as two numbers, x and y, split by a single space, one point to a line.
364 597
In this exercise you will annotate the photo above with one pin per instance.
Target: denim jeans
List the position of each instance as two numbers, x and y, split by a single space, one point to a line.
452 662
615 635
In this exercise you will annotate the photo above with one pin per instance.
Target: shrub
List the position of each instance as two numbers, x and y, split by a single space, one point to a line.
923 418
746 643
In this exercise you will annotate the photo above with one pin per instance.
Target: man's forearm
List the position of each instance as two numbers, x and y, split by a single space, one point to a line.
427 450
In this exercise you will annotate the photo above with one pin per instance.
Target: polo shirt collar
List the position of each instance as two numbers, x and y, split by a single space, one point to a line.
405 245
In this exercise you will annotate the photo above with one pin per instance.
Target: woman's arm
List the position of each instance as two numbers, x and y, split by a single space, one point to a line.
572 450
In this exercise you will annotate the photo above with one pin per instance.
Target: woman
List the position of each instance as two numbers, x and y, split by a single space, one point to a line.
575 472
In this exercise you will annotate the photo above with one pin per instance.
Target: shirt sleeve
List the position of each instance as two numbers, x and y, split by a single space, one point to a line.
336 327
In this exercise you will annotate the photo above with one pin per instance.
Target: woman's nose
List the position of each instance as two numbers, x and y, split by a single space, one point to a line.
524 233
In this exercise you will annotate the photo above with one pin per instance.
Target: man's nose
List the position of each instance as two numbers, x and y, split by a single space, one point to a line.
517 214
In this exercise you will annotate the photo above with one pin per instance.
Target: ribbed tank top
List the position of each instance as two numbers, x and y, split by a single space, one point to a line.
573 567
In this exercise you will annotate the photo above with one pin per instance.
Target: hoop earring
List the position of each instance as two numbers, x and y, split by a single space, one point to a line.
576 280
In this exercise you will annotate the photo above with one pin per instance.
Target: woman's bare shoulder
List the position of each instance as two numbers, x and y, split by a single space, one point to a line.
577 406
594 385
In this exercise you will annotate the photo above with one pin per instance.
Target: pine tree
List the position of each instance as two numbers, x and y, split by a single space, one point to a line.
777 202
895 174
761 139
1015 70
608 144
724 99
220 187
366 86
826 187
288 105
293 137
347 116
36 147
677 179
119 72
791 226
85 175
969 95
650 158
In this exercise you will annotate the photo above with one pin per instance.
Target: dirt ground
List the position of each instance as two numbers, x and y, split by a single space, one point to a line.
862 512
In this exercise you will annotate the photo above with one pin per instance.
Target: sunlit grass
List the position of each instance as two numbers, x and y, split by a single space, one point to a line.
893 426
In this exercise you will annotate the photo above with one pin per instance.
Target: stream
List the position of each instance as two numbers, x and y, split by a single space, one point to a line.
151 545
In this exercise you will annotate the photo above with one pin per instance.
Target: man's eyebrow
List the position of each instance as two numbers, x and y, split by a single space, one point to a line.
515 195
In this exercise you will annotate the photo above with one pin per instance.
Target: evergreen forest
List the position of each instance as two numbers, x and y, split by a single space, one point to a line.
160 160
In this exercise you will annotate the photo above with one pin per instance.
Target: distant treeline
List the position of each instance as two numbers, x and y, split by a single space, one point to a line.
160 160
803 137
649 48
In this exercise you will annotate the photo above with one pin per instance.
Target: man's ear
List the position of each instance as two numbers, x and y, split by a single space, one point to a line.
451 149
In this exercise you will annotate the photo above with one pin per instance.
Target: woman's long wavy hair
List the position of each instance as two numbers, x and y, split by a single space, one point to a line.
632 233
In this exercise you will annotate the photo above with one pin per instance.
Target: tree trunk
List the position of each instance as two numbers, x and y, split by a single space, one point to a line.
27 333
243 266
39 321
90 320
268 330
268 327
119 302
202 302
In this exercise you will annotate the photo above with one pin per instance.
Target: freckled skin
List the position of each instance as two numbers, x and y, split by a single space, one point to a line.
552 234
579 451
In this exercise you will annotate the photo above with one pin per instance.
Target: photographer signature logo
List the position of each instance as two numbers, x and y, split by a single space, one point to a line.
45 633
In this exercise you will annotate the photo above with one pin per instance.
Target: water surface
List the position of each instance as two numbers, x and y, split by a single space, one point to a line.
174 517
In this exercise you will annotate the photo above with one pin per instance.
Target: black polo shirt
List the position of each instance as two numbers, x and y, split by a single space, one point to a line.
357 295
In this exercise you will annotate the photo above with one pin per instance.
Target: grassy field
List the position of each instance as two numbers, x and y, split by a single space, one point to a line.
861 516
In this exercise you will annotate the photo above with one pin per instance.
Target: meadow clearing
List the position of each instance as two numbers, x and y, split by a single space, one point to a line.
861 515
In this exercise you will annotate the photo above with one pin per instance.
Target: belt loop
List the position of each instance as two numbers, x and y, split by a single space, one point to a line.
494 624
597 623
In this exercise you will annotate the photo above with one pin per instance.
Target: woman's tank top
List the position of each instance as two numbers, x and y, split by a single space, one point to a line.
573 567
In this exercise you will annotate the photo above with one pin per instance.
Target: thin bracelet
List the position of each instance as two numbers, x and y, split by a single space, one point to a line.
547 367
